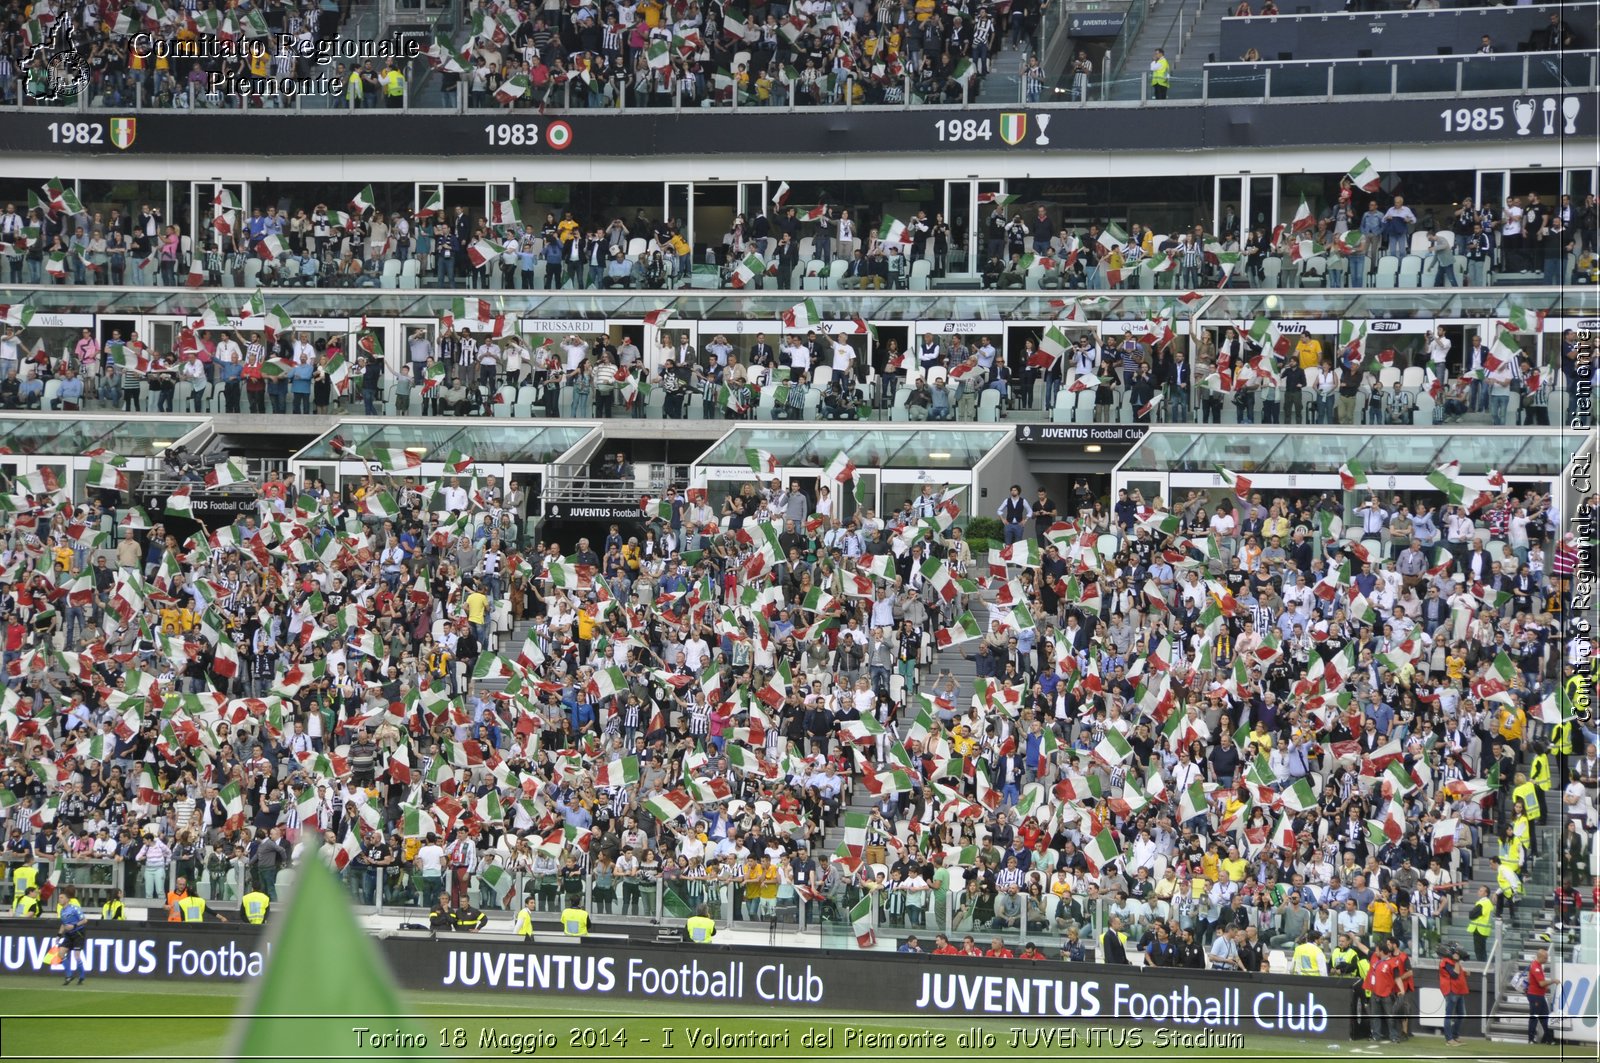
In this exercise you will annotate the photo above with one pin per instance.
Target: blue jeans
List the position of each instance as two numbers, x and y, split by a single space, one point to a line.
1358 270
1552 270
1455 1013
1499 406
1015 533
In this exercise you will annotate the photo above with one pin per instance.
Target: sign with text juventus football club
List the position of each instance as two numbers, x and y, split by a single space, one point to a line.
1035 130
711 978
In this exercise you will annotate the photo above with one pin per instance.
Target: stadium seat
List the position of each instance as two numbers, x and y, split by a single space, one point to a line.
811 281
836 271
921 270
1412 377
937 376
989 406
1410 272
1388 272
1388 377
898 411
1270 269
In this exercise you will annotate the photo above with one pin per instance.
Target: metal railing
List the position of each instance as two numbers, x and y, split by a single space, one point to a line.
577 483
1441 76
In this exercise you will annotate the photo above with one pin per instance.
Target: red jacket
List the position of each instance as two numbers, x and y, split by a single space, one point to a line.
1452 979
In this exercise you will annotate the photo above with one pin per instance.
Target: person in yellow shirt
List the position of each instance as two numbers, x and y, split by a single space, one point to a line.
1210 865
752 888
567 228
650 11
925 9
394 85
259 61
1455 664
1382 909
477 607
769 886
1235 865
1309 351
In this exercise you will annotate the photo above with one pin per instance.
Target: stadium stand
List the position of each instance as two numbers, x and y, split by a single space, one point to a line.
429 592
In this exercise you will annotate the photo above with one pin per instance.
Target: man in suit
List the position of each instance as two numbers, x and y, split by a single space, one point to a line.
858 272
761 352
461 225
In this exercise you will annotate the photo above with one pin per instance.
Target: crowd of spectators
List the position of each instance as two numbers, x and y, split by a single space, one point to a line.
349 245
1232 730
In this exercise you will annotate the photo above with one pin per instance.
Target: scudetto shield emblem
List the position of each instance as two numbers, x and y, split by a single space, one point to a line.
1013 127
123 130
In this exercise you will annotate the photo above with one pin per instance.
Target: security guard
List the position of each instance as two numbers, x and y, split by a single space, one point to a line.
113 909
574 921
443 915
522 926
1308 957
193 910
1160 75
253 906
1346 960
26 906
1561 739
700 927
175 896
1527 792
469 919
1481 925
1539 775
24 878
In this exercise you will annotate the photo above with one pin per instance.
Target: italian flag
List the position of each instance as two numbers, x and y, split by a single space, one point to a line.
393 459
434 205
501 881
893 231
15 314
747 271
668 806
1303 218
483 251
1101 851
1113 749
1192 803
226 660
229 472
1365 176
620 771
1352 476
456 461
840 469
861 923
965 629
801 315
380 504
1240 484
364 200
657 318
233 803
400 765
608 682
1444 835
269 247
762 461
1300 797
106 477
1521 319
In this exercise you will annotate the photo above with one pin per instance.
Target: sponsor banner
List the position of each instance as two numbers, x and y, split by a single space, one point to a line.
214 510
566 326
41 319
1036 434
1181 126
1380 327
993 329
590 511
715 977
1095 23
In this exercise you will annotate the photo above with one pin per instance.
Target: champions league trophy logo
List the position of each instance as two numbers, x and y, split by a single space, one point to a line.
1522 110
1043 121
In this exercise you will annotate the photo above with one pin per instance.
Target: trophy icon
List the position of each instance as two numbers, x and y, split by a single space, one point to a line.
1569 110
1522 110
1044 120
1549 115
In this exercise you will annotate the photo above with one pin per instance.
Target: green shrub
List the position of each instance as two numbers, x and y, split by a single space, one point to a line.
984 528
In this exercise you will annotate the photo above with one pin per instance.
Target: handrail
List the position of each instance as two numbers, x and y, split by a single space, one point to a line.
1381 60
1449 13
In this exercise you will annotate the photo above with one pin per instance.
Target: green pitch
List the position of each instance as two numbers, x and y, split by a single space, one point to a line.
124 1020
